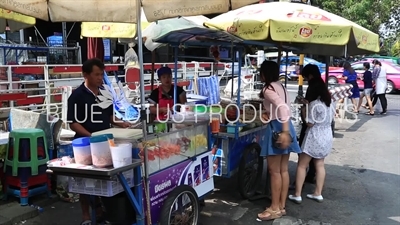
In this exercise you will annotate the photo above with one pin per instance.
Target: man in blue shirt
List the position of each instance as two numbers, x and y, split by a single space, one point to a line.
86 117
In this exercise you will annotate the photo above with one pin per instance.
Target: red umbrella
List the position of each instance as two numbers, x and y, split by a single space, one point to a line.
95 48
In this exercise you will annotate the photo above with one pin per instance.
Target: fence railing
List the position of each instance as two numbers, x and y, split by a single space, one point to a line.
46 88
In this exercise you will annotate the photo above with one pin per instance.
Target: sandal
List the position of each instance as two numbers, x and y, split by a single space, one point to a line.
86 222
370 114
283 212
269 214
365 107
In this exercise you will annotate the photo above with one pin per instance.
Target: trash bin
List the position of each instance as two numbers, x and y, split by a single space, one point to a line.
118 209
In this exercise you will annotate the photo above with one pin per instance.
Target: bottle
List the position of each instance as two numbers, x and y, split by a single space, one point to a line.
40 209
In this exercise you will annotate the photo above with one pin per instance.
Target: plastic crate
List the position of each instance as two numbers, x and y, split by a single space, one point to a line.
99 187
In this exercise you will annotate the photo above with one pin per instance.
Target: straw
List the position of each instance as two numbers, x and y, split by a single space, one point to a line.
111 142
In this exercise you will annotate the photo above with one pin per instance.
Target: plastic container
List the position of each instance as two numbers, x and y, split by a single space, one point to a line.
100 148
82 152
95 187
121 155
215 125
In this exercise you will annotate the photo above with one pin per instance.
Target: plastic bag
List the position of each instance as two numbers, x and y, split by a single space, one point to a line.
131 58
153 31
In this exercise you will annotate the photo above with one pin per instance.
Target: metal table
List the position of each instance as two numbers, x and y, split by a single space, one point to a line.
107 174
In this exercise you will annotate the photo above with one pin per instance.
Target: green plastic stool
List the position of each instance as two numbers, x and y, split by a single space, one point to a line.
33 135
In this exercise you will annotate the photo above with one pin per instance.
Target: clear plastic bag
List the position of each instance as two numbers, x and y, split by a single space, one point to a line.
131 58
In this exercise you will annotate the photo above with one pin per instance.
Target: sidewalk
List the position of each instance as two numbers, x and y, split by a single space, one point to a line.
11 212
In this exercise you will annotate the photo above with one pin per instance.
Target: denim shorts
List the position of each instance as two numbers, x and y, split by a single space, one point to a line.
368 91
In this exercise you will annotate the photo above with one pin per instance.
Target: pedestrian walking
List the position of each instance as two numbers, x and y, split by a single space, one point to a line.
380 80
350 76
368 88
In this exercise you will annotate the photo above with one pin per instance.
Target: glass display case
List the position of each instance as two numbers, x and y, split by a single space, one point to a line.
167 149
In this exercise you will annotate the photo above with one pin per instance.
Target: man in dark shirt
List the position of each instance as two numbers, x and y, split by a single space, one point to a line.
86 117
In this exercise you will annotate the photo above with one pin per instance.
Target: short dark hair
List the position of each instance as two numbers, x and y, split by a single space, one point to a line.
366 65
87 67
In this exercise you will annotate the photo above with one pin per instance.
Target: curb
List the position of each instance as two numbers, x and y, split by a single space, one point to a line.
13 212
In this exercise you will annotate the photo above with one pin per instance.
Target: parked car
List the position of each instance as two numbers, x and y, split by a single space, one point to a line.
392 70
395 60
320 65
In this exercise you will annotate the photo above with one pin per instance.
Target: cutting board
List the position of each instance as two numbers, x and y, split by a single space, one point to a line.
121 133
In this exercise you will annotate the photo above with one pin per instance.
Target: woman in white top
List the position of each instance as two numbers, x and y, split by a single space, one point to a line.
379 77
318 140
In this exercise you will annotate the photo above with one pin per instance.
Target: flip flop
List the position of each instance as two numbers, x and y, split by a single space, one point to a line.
370 114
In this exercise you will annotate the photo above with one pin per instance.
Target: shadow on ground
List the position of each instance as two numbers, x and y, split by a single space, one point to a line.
351 196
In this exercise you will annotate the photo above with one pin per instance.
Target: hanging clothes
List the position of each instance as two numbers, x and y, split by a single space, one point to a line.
95 48
209 87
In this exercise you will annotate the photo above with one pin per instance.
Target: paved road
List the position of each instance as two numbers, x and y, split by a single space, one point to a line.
362 184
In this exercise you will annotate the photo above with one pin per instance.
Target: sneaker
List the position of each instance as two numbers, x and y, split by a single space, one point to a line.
317 198
383 113
295 199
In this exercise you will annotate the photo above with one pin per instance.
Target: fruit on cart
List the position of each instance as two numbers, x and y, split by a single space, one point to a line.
198 141
184 143
150 154
149 144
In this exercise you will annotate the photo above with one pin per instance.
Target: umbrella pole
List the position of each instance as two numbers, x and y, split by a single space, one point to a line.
153 61
301 65
279 55
143 113
286 72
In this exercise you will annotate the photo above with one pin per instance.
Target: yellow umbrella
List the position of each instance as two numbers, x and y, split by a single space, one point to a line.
111 30
15 21
314 30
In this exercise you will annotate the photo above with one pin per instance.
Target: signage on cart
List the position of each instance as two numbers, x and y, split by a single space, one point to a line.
217 154
197 174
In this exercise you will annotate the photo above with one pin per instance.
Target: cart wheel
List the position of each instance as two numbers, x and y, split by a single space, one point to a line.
181 207
250 170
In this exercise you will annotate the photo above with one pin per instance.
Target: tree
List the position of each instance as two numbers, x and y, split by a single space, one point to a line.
394 23
396 49
370 14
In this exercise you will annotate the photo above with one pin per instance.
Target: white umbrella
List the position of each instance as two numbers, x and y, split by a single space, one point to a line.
162 27
118 10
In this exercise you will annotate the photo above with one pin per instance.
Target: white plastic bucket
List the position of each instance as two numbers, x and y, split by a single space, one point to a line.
82 152
121 155
100 148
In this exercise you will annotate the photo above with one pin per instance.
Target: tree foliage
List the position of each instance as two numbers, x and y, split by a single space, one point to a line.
371 14
396 49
